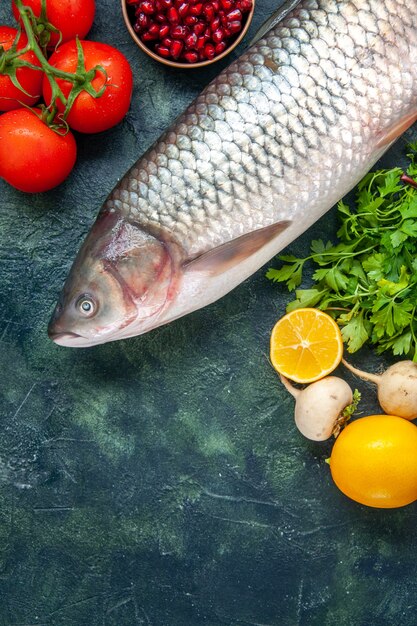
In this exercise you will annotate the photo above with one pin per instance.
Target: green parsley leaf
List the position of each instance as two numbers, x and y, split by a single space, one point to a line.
306 298
409 227
392 288
291 274
374 266
391 182
402 344
354 332
409 210
397 238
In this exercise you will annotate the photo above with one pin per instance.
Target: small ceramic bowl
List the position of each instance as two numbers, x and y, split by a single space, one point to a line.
189 66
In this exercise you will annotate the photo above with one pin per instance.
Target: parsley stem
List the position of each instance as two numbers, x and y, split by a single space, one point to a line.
342 257
410 286
337 308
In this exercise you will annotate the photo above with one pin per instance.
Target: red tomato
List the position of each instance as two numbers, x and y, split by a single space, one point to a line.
33 158
71 17
89 114
31 80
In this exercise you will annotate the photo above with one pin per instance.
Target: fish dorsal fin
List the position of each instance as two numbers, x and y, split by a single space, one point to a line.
275 18
226 256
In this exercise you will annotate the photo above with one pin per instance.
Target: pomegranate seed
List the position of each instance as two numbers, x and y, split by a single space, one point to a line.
164 30
233 27
162 51
152 33
244 5
183 9
209 51
179 32
173 16
196 9
147 6
176 48
236 14
221 47
191 57
154 30
208 11
190 20
218 35
188 30
191 41
223 18
142 22
215 23
199 28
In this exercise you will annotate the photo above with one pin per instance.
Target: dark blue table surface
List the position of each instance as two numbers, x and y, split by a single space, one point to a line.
160 480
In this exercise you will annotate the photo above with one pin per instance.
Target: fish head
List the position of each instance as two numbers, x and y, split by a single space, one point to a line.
119 285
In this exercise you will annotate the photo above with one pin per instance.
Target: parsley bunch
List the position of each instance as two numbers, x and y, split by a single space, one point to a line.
368 280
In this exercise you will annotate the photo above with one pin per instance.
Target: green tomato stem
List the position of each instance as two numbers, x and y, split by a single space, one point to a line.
81 80
36 49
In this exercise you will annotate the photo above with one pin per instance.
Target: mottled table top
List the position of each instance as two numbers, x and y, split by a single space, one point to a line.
160 480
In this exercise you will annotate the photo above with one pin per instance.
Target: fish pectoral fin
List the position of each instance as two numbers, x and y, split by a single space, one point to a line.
226 256
276 17
392 133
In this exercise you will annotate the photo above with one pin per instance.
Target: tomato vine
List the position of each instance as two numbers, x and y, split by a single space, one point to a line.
81 80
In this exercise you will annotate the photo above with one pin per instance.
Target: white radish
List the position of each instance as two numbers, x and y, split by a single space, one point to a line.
397 388
318 407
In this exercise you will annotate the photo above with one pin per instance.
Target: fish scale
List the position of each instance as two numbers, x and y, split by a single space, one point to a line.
291 122
269 146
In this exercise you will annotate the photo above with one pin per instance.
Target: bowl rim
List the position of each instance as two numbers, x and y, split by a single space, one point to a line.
187 66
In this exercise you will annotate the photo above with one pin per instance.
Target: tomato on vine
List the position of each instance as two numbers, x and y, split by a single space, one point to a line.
71 18
86 86
19 84
33 157
104 99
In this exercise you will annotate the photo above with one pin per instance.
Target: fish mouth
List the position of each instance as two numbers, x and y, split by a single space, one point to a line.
68 339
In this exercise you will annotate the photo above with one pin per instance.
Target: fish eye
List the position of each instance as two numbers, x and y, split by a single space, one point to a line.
86 306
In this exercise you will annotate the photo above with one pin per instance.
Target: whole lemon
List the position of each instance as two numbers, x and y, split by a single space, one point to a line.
374 461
